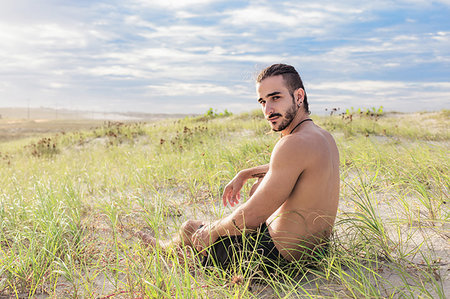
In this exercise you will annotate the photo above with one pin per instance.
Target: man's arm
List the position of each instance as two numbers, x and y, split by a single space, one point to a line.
231 193
287 163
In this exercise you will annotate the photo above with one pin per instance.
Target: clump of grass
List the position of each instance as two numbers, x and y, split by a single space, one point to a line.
212 114
184 138
6 158
45 147
118 132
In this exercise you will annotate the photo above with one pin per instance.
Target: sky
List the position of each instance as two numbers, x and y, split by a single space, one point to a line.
189 55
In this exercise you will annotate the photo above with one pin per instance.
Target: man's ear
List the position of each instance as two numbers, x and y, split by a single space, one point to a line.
299 95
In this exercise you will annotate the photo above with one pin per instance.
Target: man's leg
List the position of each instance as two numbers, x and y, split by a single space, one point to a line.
184 236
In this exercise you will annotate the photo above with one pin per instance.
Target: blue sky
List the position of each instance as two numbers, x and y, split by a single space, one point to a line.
186 56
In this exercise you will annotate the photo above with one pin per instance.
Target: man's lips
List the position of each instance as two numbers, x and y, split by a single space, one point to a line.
273 117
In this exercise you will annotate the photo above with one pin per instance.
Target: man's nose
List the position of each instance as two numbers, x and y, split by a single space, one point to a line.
268 109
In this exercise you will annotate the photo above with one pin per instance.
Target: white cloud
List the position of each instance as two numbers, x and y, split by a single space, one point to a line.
57 85
393 95
182 88
52 36
359 86
136 20
441 36
261 16
186 33
174 4
3 86
400 89
115 70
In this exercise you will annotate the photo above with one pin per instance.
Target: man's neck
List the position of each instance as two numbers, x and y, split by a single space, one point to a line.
300 116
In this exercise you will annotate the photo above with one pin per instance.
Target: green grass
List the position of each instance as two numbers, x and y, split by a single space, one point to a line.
68 210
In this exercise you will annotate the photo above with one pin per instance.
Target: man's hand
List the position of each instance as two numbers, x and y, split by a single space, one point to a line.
232 194
232 191
203 238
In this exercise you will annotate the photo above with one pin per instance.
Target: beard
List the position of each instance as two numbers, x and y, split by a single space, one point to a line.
290 114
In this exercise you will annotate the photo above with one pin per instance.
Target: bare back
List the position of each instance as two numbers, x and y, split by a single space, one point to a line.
307 215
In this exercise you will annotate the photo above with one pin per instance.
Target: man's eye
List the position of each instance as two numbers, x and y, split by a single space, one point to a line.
275 98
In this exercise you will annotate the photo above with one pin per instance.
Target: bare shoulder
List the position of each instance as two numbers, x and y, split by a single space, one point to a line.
310 143
307 139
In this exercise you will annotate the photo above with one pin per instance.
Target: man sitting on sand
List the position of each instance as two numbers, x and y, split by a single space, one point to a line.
292 206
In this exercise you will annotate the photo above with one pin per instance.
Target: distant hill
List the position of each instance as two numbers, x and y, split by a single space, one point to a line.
52 114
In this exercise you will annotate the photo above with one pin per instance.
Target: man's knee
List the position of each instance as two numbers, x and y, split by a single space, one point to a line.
188 227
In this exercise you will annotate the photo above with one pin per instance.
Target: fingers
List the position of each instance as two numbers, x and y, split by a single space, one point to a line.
225 196
231 193
230 196
236 197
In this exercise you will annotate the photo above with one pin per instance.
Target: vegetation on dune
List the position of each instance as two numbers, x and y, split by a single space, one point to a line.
71 202
431 126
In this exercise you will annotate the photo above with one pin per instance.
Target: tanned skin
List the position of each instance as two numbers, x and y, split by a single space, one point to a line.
296 194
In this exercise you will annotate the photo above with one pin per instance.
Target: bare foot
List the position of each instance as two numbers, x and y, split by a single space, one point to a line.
147 238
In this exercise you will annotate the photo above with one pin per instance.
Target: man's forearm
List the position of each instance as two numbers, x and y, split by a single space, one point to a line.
255 172
234 224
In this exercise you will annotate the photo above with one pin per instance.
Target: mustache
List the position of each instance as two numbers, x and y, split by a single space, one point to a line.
274 115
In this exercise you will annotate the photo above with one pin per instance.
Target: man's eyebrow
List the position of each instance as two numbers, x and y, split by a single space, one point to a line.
270 95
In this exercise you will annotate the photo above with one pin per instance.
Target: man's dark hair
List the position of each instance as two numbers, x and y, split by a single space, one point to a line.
290 77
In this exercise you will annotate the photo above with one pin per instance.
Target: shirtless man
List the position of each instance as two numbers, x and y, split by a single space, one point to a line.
296 196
